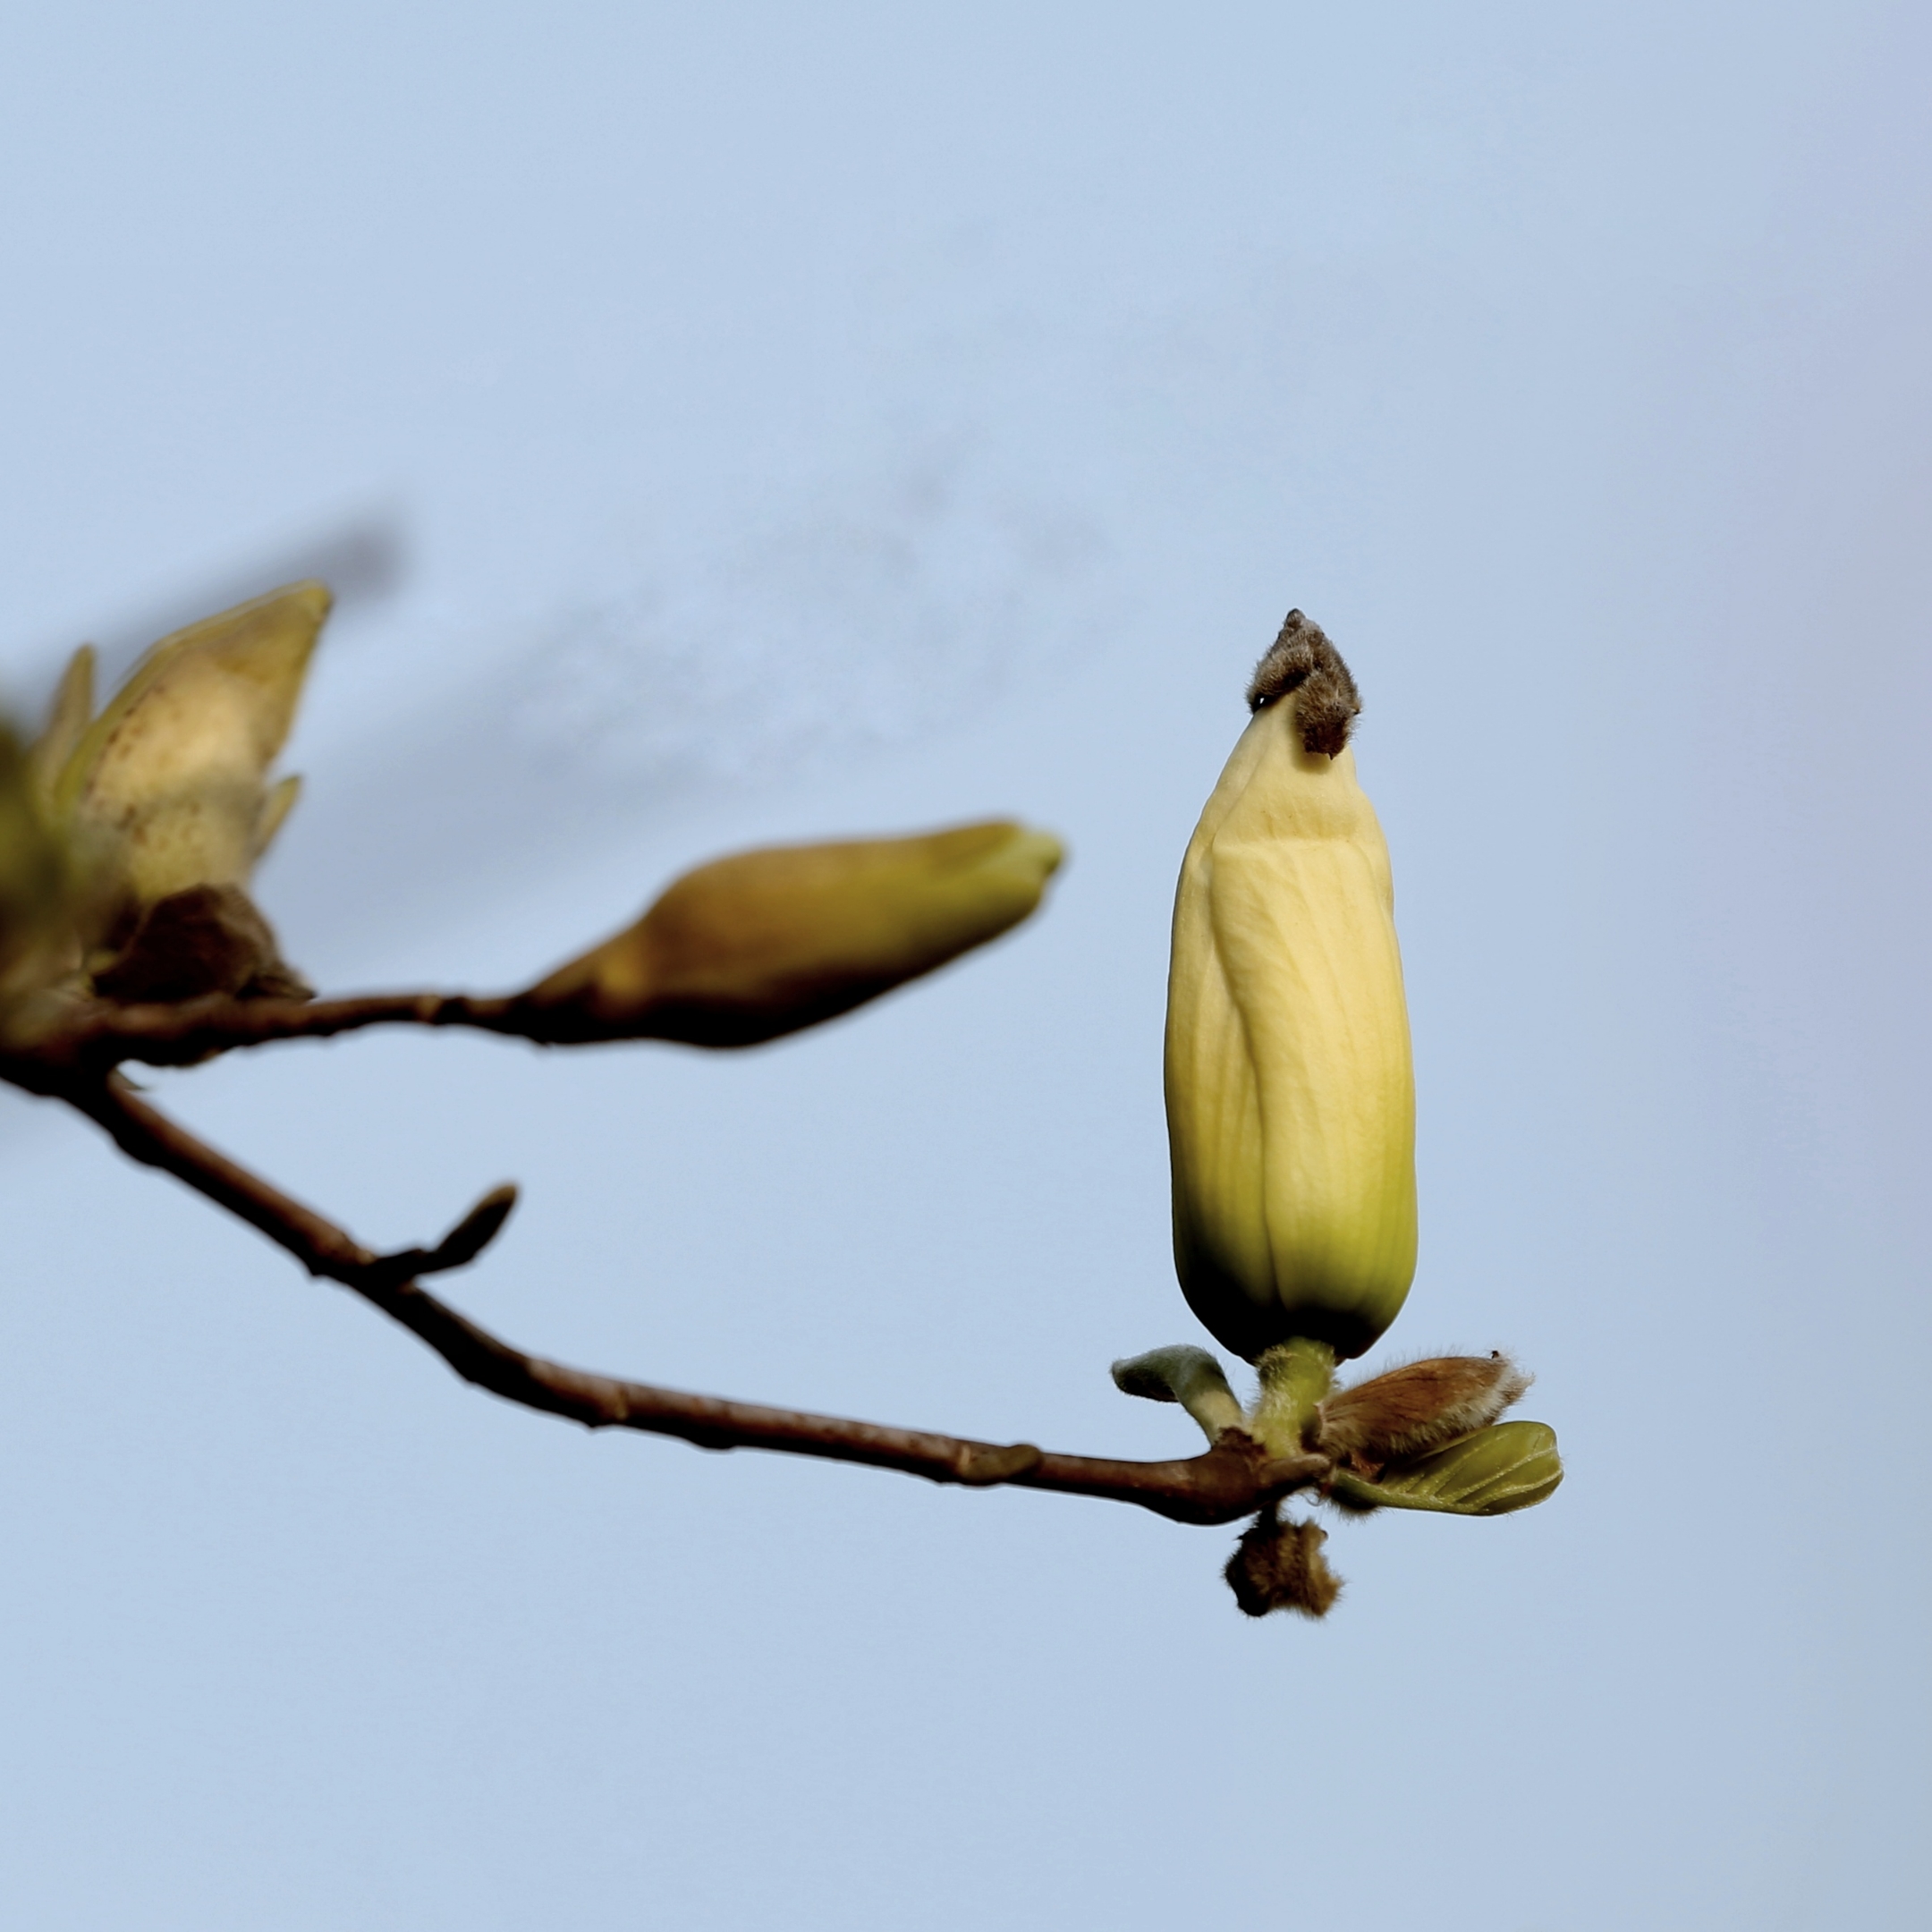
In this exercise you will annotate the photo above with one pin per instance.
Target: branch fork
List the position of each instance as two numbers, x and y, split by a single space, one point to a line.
1235 1478
127 935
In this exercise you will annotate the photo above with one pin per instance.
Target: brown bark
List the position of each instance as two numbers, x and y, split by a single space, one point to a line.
1233 1478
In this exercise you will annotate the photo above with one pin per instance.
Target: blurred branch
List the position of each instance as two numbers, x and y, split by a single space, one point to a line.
104 1033
1233 1478
740 951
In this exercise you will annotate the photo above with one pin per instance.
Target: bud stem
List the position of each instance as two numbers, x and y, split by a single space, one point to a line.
1295 1376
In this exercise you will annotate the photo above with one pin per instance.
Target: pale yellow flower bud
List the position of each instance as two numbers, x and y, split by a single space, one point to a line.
762 943
168 786
162 804
1291 1101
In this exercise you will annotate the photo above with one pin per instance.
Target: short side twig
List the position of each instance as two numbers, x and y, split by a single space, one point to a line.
1233 1478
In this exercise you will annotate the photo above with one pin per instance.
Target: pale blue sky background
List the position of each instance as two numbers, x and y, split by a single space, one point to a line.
808 420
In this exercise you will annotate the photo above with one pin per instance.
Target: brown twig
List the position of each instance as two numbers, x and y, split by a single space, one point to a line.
1233 1478
104 1033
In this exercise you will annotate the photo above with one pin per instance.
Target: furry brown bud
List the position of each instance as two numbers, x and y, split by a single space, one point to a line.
207 939
1279 1565
1422 1406
1302 660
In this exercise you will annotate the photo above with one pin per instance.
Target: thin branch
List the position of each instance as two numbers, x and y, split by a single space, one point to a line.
104 1033
1235 1479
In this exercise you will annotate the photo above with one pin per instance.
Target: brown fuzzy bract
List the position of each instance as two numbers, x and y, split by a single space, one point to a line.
207 939
1302 660
1413 1410
1279 1565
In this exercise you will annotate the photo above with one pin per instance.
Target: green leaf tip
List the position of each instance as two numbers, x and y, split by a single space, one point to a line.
1186 1375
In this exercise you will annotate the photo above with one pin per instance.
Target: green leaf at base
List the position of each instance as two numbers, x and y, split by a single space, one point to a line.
1507 1466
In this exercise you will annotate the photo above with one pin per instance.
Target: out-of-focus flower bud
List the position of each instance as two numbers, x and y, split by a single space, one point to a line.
762 943
169 784
1290 1104
164 799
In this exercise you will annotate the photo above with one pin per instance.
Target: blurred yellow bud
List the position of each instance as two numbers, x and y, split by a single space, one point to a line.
1291 1103
764 942
168 786
160 806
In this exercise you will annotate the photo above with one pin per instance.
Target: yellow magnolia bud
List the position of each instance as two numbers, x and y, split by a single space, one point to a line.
1291 1102
168 786
161 805
762 943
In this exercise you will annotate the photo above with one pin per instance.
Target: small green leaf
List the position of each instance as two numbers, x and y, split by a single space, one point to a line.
1506 1467
1186 1375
